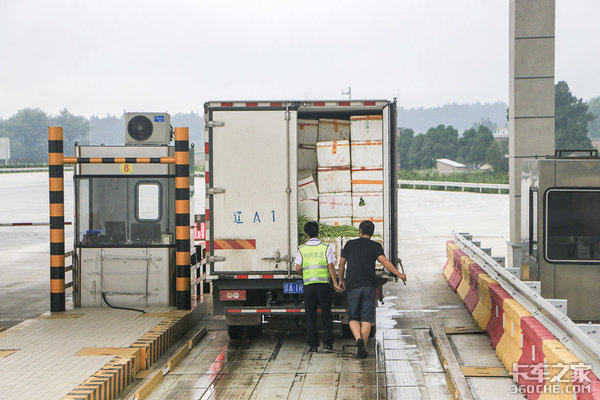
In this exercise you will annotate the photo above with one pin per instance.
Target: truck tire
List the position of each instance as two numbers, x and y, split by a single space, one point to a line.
235 332
254 331
346 331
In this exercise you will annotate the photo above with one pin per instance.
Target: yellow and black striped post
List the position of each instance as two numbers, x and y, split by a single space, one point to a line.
182 219
57 219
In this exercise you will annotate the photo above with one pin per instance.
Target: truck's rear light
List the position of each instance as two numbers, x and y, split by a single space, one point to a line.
232 295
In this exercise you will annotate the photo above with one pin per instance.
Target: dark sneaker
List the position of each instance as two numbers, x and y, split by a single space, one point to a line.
313 349
328 348
361 351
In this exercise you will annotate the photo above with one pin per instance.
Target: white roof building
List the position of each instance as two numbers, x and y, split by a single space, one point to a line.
445 166
451 163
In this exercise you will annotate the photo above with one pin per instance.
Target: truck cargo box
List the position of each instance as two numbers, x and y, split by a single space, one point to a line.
254 151
258 156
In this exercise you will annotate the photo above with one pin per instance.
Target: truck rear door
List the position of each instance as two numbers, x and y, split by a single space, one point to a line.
251 189
390 179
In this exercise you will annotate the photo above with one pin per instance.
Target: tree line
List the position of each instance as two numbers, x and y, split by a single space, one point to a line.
477 145
27 130
474 146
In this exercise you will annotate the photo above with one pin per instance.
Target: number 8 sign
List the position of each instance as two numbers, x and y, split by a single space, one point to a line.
126 168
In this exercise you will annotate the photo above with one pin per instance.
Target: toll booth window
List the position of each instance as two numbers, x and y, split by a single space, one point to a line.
118 211
148 201
572 225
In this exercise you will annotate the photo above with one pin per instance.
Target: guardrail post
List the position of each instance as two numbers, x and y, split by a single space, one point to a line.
57 219
182 219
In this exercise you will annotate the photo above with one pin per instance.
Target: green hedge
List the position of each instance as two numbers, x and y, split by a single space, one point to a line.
474 177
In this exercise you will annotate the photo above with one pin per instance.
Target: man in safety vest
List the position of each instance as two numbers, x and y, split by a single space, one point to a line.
314 262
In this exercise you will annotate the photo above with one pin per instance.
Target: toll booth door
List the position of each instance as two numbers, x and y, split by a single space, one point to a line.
252 203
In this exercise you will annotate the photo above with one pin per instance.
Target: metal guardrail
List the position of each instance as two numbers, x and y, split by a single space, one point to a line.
28 169
562 327
493 186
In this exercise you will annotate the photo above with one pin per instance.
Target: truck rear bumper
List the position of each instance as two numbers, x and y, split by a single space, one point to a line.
248 316
276 310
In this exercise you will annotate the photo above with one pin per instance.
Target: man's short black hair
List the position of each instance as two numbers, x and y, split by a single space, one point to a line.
311 229
367 228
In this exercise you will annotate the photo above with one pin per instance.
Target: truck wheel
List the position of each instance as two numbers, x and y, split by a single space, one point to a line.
254 331
346 331
235 332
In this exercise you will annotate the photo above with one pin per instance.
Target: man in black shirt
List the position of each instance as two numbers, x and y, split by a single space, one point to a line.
360 282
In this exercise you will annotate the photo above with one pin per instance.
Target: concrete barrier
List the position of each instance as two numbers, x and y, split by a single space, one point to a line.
530 369
472 297
526 348
464 285
495 328
483 310
449 265
509 347
456 276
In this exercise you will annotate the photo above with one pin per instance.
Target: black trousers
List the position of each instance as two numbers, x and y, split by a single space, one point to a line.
318 294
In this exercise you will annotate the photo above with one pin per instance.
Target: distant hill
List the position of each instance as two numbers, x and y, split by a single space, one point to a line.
460 116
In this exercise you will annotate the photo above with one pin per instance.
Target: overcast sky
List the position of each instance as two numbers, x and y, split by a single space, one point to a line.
98 57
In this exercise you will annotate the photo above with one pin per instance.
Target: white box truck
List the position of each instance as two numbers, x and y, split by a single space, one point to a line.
252 204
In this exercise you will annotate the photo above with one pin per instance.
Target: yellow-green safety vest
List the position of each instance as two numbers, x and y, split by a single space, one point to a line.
314 264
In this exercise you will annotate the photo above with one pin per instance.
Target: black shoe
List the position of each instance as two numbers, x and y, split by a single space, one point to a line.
313 349
328 348
361 352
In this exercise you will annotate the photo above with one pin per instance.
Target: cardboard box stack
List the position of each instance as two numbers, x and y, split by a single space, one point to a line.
346 157
308 194
335 197
333 159
366 149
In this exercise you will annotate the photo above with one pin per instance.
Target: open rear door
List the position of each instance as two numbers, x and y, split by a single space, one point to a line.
390 160
252 196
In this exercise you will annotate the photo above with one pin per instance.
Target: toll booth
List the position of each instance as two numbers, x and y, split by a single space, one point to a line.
132 227
560 217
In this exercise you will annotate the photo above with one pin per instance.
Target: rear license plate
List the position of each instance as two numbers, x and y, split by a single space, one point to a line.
293 287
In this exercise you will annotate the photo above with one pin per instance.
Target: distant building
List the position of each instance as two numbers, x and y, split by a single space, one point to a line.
484 166
445 166
5 149
595 143
500 133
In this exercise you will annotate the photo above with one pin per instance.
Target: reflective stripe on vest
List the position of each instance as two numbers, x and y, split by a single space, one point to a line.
314 264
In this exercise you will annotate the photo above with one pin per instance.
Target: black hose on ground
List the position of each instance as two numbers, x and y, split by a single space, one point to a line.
120 308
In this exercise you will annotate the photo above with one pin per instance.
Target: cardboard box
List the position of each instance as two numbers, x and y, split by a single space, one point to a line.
307 188
309 208
308 130
335 205
367 153
334 179
333 154
307 157
333 129
367 179
367 204
366 127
